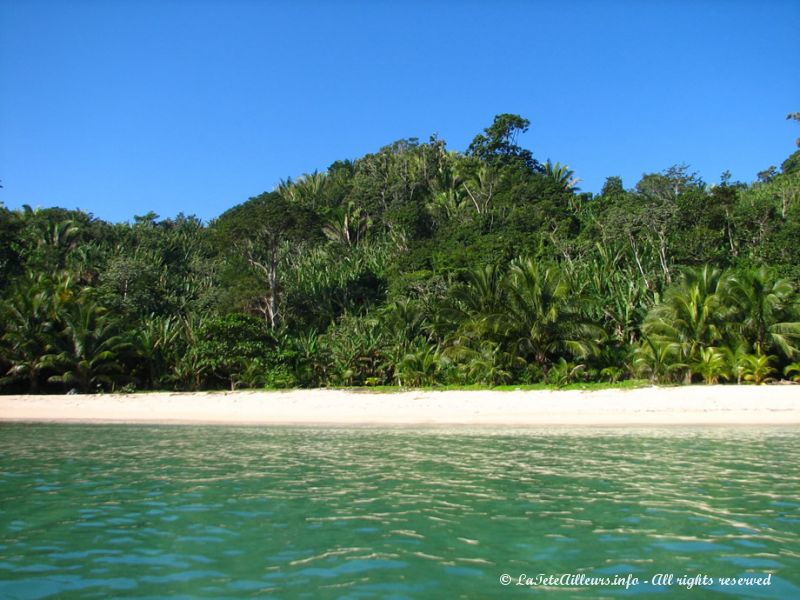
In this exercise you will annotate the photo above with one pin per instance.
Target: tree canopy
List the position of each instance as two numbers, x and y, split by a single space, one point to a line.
415 265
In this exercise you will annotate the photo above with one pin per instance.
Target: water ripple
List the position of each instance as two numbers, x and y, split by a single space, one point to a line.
226 512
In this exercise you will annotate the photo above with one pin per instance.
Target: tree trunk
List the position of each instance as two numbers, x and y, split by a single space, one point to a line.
662 255
734 250
273 289
635 249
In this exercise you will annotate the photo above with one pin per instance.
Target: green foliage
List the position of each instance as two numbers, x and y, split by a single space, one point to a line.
31 318
565 372
485 363
709 312
792 371
227 346
791 166
764 310
657 359
562 175
689 316
498 142
542 316
419 266
87 350
757 368
9 246
156 343
711 365
419 367
355 352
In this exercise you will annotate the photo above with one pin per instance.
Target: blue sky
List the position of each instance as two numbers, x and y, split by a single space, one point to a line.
121 107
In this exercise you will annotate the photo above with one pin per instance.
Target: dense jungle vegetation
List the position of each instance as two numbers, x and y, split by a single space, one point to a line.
415 266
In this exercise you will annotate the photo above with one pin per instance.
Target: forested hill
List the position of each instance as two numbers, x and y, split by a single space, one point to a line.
415 266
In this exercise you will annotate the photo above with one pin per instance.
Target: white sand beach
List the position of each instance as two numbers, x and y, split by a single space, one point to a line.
695 405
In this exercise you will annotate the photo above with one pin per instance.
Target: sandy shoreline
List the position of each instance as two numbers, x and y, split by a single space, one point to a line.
696 405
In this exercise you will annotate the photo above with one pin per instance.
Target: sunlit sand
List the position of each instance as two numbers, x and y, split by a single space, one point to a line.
702 405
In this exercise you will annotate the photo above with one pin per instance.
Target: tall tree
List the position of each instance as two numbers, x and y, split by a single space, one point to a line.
497 145
262 233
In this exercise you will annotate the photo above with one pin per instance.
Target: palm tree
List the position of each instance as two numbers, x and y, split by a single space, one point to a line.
762 310
405 319
152 342
349 227
562 175
690 315
61 234
418 367
308 190
87 352
657 358
736 360
792 371
54 240
288 191
757 367
541 318
446 204
466 315
31 316
312 187
485 362
565 372
481 294
711 365
448 199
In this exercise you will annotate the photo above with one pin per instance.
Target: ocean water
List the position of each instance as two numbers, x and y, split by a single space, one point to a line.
99 511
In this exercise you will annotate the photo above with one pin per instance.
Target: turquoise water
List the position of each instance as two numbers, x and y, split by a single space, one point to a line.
236 512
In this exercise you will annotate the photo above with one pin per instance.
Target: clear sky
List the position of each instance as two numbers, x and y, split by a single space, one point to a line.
121 107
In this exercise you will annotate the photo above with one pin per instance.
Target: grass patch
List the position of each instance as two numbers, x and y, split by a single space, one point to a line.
628 384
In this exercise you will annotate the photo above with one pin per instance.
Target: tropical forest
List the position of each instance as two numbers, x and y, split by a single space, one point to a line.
416 266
